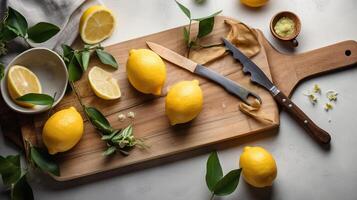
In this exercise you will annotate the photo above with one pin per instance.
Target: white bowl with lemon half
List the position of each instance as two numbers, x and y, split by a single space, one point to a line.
39 67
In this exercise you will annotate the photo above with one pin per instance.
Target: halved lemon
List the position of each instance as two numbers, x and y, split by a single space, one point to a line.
21 81
97 23
103 84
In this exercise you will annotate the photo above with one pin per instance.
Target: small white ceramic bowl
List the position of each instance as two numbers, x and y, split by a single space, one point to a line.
50 70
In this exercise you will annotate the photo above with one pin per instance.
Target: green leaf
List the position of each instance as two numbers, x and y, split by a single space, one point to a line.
22 190
103 128
200 1
209 16
78 57
106 58
82 59
205 27
42 32
10 169
186 35
85 59
67 51
2 71
95 114
37 99
110 136
44 161
228 183
16 22
110 151
184 10
214 171
6 34
74 70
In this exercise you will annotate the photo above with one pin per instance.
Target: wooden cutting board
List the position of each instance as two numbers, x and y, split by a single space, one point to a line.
220 120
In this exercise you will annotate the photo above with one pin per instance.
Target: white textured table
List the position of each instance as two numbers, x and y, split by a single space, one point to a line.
305 171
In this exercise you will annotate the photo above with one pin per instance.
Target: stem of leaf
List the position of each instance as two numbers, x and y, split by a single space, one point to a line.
27 146
212 196
189 39
94 47
71 83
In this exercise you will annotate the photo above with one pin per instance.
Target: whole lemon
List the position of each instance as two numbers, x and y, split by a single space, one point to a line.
183 102
146 71
62 130
258 166
254 3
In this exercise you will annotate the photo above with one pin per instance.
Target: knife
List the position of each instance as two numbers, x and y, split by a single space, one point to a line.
258 77
183 62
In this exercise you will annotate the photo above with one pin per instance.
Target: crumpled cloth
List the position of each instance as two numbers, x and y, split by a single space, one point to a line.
241 35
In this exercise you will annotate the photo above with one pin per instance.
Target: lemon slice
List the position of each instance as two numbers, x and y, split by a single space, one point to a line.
97 23
21 81
103 84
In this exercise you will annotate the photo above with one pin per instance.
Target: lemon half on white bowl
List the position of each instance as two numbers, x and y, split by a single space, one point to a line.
41 65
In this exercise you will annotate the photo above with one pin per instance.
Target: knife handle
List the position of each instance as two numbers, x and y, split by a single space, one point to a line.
316 132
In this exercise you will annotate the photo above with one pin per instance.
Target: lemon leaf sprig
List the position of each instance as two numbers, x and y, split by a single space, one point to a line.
14 24
217 183
14 178
118 140
205 26
77 60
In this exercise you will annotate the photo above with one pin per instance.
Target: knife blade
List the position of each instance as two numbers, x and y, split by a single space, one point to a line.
259 77
185 63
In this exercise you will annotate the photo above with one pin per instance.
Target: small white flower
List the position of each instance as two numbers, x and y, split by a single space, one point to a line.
313 99
317 89
131 114
328 106
331 95
121 117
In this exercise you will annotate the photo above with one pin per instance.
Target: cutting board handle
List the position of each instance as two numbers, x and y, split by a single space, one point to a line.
326 59
306 65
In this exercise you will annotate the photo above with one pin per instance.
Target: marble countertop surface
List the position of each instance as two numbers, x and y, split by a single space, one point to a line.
305 171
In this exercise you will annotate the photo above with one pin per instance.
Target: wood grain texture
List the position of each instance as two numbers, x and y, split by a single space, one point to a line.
220 119
306 65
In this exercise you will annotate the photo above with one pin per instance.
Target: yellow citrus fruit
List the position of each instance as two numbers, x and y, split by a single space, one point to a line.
146 71
21 81
258 166
62 130
96 24
183 102
254 3
103 84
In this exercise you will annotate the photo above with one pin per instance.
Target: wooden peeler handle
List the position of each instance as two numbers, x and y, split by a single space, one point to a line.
316 132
